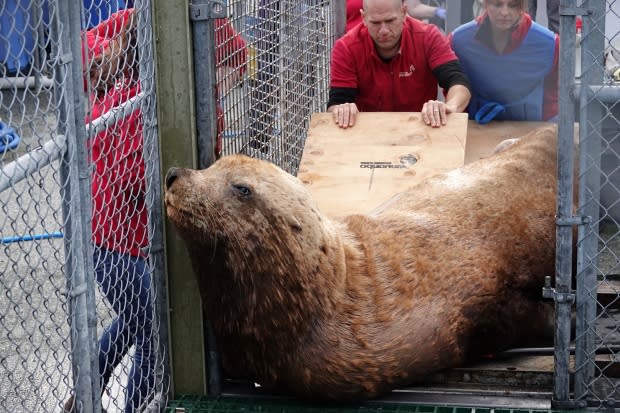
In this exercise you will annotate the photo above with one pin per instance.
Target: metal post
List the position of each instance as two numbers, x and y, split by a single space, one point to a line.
214 366
202 13
76 208
564 231
154 196
590 115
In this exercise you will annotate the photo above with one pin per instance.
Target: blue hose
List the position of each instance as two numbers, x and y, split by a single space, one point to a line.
9 139
9 240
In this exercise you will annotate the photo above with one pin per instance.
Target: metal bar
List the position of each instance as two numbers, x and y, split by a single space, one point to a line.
214 371
606 94
213 9
564 234
31 162
23 82
75 192
205 82
573 11
590 115
112 116
51 150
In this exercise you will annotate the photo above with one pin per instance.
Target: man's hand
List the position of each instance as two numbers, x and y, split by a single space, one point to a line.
434 113
344 114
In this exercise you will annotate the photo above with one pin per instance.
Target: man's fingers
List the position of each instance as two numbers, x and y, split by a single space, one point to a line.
434 113
442 115
339 115
345 114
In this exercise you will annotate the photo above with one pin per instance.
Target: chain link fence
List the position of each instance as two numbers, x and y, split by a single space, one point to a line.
286 77
81 304
586 369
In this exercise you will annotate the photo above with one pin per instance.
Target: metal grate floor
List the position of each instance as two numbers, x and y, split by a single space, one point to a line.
227 404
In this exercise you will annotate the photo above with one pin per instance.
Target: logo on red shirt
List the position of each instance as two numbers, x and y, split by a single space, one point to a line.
409 73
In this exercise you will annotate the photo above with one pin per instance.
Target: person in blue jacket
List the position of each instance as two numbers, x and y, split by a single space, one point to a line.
512 64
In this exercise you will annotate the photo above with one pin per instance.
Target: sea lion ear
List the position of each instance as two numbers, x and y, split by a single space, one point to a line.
294 224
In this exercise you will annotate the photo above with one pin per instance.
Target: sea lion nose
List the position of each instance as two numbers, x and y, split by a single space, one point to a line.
171 176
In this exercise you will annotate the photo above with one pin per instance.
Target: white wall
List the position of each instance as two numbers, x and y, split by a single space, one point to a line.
612 22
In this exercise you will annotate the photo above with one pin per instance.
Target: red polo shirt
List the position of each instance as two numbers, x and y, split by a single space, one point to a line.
404 83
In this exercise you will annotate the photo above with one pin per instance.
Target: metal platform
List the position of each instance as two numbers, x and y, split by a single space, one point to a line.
231 404
511 383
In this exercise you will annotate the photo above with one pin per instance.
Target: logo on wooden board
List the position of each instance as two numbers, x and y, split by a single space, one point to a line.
406 161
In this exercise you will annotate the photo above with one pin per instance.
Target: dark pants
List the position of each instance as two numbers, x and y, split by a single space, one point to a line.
126 284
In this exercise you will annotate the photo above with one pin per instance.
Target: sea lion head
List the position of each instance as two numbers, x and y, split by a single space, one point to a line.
250 222
240 198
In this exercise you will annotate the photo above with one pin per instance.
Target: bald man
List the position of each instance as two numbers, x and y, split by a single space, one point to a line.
394 63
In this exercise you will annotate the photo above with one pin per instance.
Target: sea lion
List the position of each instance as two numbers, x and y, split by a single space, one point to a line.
351 308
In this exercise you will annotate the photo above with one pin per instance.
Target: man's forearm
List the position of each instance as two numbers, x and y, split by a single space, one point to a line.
457 98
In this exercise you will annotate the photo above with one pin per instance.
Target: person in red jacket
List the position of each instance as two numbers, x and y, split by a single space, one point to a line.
119 211
394 63
118 185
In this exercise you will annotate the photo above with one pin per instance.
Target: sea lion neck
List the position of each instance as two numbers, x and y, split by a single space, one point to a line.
269 285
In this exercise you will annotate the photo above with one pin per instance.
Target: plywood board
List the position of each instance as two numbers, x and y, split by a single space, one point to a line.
355 170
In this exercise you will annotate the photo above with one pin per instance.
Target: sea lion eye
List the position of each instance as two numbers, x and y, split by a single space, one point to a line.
242 190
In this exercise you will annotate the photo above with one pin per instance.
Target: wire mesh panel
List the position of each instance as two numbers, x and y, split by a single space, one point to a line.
283 80
590 31
36 366
79 195
598 258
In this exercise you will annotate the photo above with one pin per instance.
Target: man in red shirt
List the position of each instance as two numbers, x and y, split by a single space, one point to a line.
393 63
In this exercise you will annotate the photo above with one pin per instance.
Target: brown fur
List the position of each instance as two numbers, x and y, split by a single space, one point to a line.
350 309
